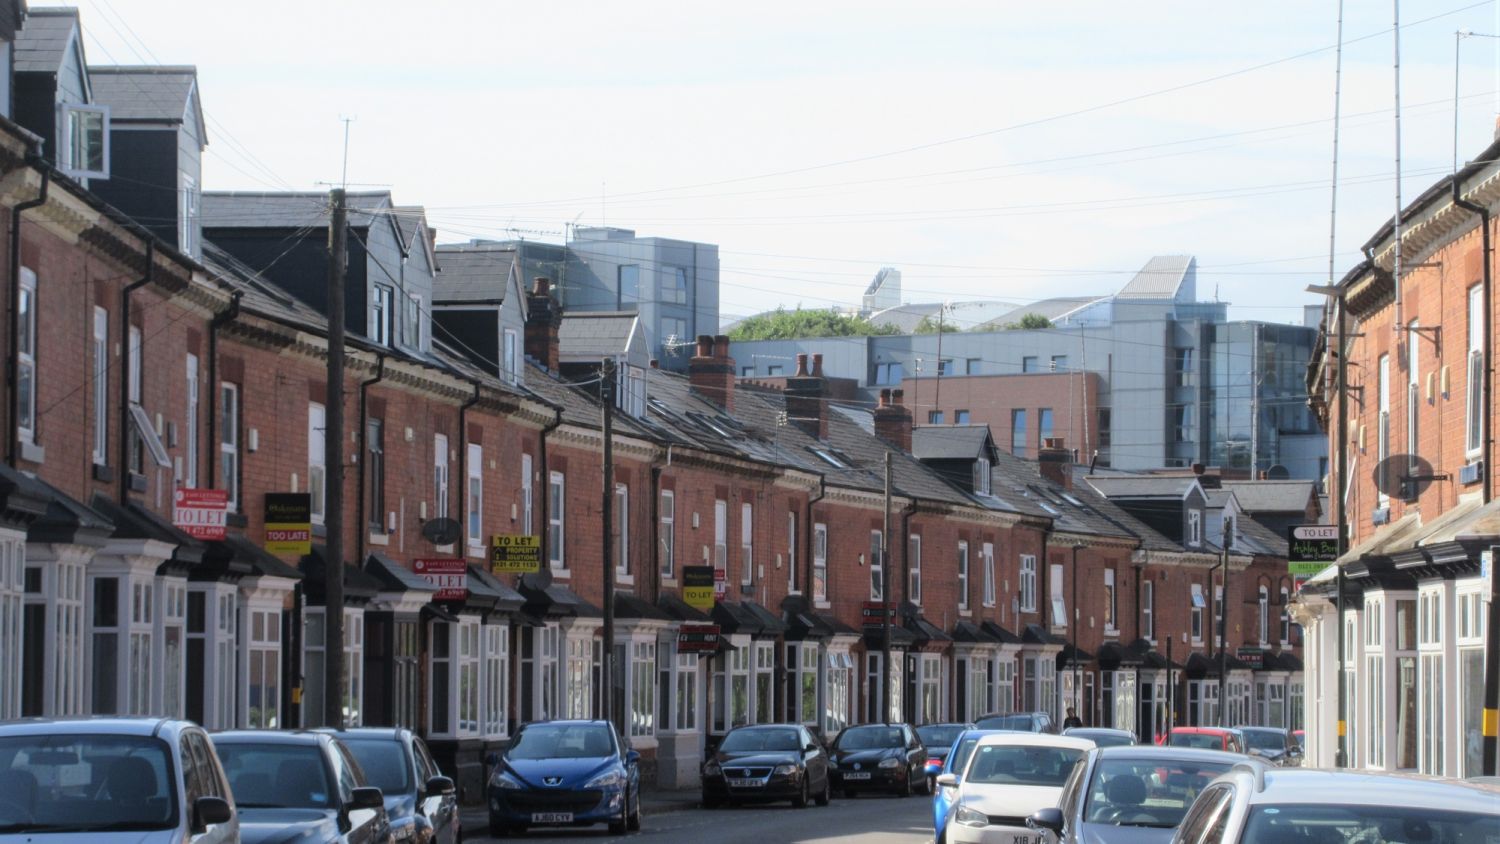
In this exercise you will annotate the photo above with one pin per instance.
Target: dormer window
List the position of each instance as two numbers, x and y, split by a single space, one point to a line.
83 151
630 390
380 315
1195 528
982 476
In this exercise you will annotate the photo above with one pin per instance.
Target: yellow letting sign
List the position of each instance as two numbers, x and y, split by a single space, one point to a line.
515 554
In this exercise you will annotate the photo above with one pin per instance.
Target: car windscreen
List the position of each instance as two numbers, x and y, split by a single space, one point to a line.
561 741
1207 741
1146 792
1022 723
1011 764
870 738
85 784
742 741
384 762
1335 824
1264 740
265 776
1103 738
938 737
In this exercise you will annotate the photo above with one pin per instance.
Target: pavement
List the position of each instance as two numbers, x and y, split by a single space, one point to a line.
654 801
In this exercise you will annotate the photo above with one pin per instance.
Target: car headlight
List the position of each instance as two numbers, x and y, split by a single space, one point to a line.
712 769
890 763
505 781
608 779
785 770
971 817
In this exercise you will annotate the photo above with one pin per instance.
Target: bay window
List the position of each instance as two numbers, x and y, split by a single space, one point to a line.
685 692
57 586
839 703
264 682
12 596
496 679
351 686
765 666
642 716
171 624
579 693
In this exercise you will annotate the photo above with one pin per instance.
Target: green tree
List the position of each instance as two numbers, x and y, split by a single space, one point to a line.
928 325
782 324
1029 321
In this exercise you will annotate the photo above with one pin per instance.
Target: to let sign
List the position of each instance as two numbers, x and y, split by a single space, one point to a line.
200 513
450 576
874 613
289 523
1254 657
515 554
698 638
1309 548
698 587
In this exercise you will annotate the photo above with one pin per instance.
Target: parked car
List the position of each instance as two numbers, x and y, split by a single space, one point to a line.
767 762
1103 737
1275 745
958 757
420 801
879 757
1023 722
301 785
1205 738
1301 737
73 779
938 739
1254 802
1131 795
565 773
1008 777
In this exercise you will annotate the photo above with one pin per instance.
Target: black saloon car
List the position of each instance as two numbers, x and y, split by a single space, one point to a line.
1021 722
300 786
880 757
767 762
421 802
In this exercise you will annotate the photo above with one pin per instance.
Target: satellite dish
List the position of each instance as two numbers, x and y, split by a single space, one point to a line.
441 531
1278 472
538 580
1404 476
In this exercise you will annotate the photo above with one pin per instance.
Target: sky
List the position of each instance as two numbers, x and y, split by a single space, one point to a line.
996 151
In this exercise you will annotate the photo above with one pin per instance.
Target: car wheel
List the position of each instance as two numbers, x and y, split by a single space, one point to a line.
711 802
826 794
618 827
800 801
633 823
498 829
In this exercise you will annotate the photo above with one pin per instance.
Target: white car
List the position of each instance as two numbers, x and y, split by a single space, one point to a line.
1008 777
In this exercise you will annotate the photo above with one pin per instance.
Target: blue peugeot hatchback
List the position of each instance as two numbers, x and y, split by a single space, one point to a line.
957 757
565 773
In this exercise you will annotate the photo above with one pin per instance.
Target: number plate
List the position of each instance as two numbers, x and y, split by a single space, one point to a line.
551 817
1027 839
857 775
742 783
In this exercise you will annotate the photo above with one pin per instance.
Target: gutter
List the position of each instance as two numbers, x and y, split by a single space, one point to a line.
361 518
1486 438
125 365
219 321
12 364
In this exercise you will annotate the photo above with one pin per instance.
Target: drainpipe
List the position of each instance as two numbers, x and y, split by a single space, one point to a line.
219 321
463 464
361 518
12 364
1486 436
125 366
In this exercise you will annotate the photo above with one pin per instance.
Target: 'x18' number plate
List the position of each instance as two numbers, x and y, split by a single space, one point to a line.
551 817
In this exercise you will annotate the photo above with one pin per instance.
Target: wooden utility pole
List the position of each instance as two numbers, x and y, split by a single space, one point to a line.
885 595
1223 623
333 463
607 408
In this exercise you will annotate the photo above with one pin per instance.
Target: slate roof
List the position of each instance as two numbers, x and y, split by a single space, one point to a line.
1272 496
472 273
952 442
41 43
1142 486
1078 510
589 336
1161 278
287 209
1261 539
145 94
394 576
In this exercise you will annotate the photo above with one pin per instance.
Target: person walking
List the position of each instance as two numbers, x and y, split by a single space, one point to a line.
1072 720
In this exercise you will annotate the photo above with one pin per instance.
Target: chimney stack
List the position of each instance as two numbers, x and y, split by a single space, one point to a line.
805 394
711 371
1054 461
543 319
893 420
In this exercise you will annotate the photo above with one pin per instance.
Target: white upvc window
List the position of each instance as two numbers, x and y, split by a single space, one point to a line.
987 559
1005 683
877 566
666 533
1218 632
556 519
140 629
380 315
747 544
474 500
1264 607
171 624
1055 590
101 387
412 321
803 662
578 680
978 692
721 542
510 361
1474 383
1433 635
58 587
963 576
1197 613
914 573
792 586
1472 606
496 654
1383 429
264 683
12 638
229 443
539 672
1028 583
454 691
820 562
685 693
1286 617
26 370
189 475
527 512
982 476
642 716
1148 610
83 149
316 471
929 677
351 687
469 688
1195 528
1111 603
439 476
1413 390
839 707
188 203
622 533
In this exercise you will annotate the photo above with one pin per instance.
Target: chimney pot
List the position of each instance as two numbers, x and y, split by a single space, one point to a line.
801 364
721 346
542 286
885 397
1199 468
705 346
897 397
1052 461
655 364
711 371
817 362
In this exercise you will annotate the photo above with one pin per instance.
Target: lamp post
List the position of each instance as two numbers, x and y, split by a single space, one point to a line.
1336 496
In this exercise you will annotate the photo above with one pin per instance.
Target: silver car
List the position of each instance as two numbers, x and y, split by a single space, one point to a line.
112 779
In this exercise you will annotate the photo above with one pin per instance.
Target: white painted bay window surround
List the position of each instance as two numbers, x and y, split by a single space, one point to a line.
1472 611
211 632
12 598
803 659
124 639
578 671
351 690
495 672
261 602
686 683
838 709
454 691
539 672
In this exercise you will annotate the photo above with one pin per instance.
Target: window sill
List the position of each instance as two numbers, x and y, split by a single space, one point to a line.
444 549
380 539
137 482
561 574
239 520
319 530
965 612
33 453
622 579
670 582
103 473
476 551
1112 632
822 605
989 605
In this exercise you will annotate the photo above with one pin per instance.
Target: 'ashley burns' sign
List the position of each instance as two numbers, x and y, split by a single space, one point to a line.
200 513
450 576
697 638
1310 548
289 523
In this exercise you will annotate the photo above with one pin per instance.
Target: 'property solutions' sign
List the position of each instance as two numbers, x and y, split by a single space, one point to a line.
450 576
874 613
289 523
698 638
200 513
1309 548
698 587
516 553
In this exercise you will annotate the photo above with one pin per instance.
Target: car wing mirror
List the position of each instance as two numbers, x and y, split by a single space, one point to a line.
441 785
208 811
1050 819
948 780
632 757
812 747
368 797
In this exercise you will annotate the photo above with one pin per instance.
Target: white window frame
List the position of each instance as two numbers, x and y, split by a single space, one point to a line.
528 511
914 571
67 146
229 442
1264 618
557 504
26 345
747 544
1219 631
190 426
382 302
495 675
412 321
509 356
1055 584
987 559
666 533
171 630
1383 423
877 565
317 473
101 387
1196 613
792 587
685 693
263 632
981 474
1195 528
1148 610
721 542
1111 604
622 535
1286 617
1474 380
820 564
474 501
440 498
188 201
1028 583
963 576
12 630
642 692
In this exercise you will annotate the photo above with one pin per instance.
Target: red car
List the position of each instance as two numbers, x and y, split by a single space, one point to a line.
1207 738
